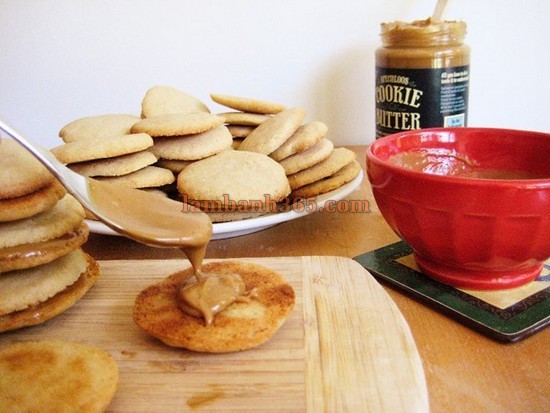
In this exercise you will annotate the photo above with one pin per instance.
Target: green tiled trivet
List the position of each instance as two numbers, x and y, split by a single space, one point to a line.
508 315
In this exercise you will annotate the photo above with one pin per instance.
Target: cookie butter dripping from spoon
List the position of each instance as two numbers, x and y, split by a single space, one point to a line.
161 222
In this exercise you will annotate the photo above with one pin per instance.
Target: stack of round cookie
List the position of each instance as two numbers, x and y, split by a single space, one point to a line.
122 158
182 127
246 114
197 146
177 130
339 168
43 270
310 161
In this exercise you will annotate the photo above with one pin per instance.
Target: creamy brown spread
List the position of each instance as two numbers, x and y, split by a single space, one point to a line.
423 44
162 222
208 294
39 249
442 161
151 219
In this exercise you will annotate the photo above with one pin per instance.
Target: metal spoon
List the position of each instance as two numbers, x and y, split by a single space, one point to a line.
148 218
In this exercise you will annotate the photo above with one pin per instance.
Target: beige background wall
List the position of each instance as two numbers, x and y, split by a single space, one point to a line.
65 59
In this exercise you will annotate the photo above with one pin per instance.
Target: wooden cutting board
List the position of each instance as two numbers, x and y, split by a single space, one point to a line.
345 348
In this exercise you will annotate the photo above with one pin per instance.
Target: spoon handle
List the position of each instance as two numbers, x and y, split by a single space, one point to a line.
440 10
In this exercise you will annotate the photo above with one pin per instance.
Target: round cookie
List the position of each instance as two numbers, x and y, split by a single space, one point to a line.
339 158
115 166
335 181
162 100
177 124
20 173
243 119
100 126
55 305
240 326
56 376
248 104
193 147
305 137
311 156
22 289
38 253
234 177
275 131
64 216
107 147
148 177
25 206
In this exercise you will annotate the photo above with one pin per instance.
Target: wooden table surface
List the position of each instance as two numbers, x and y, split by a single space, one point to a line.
465 371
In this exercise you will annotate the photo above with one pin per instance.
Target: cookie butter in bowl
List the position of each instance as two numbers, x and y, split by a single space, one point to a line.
473 203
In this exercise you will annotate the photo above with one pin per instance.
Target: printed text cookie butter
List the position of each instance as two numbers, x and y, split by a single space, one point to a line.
422 76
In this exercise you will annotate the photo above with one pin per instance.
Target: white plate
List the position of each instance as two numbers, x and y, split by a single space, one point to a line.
247 226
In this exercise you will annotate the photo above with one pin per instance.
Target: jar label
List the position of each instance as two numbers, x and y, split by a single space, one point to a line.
408 99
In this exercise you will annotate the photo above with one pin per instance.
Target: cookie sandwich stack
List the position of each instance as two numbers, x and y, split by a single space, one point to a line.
43 270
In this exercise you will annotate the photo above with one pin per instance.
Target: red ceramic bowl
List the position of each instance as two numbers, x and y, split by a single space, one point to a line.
469 232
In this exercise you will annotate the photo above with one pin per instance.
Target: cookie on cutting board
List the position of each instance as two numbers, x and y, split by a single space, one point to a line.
56 376
241 326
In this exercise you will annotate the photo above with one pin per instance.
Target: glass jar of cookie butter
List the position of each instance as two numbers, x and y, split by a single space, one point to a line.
422 76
